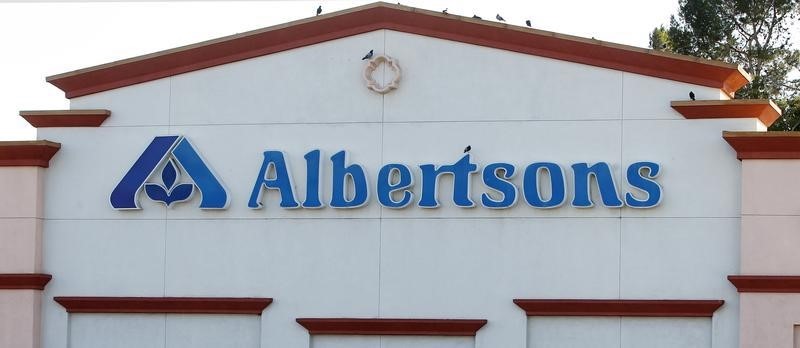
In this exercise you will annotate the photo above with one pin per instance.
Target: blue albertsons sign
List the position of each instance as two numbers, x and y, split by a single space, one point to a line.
350 187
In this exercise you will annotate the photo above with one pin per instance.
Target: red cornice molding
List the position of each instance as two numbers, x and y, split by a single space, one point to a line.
764 145
416 327
624 308
763 283
763 109
30 281
182 305
27 153
65 118
376 16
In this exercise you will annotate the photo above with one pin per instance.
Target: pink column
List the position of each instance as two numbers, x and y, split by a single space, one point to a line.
21 280
769 283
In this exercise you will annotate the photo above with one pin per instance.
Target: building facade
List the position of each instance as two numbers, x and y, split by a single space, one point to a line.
465 184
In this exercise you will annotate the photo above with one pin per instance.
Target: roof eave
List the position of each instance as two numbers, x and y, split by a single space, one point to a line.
377 16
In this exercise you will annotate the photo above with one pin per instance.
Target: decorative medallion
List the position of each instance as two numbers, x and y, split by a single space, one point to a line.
373 65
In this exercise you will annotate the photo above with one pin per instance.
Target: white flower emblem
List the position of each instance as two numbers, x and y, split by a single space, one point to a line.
373 65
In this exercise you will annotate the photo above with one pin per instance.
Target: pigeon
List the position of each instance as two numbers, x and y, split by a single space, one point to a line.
444 11
476 16
319 10
499 18
466 149
691 95
528 23
368 56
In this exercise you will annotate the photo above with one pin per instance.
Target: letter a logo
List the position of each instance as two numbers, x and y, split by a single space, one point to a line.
170 154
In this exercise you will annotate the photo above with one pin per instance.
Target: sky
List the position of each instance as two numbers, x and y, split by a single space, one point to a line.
43 38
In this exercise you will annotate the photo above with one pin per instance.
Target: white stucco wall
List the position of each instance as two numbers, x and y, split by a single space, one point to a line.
448 262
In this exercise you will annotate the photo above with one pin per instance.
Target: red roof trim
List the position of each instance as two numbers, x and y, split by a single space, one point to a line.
762 283
65 118
727 77
35 153
625 308
763 109
28 281
181 305
415 327
764 145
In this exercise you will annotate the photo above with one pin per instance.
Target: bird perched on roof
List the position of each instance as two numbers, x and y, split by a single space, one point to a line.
466 149
528 23
368 55
319 10
691 95
499 18
476 16
444 11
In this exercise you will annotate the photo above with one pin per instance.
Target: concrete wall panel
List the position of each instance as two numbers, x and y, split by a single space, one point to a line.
648 98
770 244
348 341
512 86
573 332
212 331
19 318
319 83
667 333
20 245
117 330
311 267
699 171
768 320
144 104
104 257
21 192
767 187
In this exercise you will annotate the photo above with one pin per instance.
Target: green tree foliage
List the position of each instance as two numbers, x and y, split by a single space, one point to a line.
659 39
753 33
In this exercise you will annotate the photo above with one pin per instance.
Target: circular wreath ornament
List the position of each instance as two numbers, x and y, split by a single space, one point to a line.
373 65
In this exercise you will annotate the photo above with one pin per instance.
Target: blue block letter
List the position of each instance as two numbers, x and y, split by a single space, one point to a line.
312 180
340 174
644 182
461 171
493 179
386 187
601 172
530 185
281 181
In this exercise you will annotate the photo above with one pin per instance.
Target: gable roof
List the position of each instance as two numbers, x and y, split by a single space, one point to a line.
376 16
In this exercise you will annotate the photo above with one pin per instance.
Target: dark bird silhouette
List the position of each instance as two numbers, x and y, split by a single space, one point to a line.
691 95
528 23
444 11
499 18
319 10
476 16
368 56
466 149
